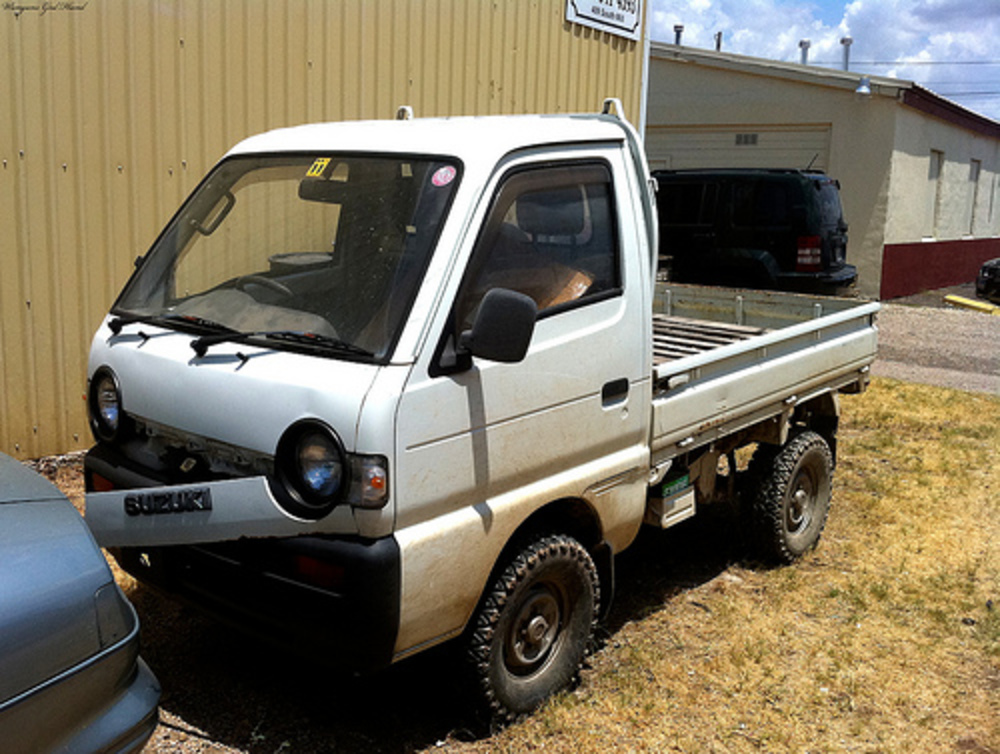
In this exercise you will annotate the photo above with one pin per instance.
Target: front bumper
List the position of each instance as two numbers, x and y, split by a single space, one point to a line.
831 279
335 599
308 585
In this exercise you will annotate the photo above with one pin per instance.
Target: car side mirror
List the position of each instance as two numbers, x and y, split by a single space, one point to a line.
503 327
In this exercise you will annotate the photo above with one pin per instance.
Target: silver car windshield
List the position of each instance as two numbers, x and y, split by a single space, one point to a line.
303 251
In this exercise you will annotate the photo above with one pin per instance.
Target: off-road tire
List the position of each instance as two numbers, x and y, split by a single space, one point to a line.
533 628
789 490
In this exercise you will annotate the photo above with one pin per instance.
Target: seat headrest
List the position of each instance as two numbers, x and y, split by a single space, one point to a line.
553 212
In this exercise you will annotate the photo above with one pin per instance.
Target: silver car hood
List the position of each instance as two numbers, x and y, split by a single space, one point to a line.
51 572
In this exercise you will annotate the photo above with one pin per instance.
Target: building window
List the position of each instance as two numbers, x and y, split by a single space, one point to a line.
975 169
993 198
746 140
934 191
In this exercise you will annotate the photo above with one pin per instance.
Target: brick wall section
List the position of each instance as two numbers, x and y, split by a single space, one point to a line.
909 268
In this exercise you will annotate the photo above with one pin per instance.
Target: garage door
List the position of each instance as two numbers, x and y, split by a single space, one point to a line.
741 146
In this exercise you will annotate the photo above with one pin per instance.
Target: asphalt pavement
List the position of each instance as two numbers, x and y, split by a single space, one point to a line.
924 339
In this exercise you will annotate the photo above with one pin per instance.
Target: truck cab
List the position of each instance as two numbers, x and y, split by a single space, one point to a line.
292 373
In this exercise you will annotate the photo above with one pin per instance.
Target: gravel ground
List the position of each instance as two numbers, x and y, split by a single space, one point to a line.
923 339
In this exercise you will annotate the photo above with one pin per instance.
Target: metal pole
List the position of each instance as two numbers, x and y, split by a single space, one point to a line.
847 42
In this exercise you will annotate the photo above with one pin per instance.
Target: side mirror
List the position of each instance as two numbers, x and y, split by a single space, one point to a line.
503 327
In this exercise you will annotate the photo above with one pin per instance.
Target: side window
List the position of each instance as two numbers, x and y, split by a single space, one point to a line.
760 204
687 203
550 234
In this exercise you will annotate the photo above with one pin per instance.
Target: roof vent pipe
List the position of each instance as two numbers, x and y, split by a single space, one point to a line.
678 30
718 41
804 45
847 42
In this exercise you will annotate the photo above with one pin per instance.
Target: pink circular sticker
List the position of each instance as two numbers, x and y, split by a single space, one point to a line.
443 176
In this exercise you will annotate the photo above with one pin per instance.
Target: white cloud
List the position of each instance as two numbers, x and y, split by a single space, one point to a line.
884 31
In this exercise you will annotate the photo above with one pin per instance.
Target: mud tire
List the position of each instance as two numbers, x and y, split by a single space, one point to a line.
533 628
789 489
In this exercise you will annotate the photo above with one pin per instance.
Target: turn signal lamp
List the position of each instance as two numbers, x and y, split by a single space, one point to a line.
373 479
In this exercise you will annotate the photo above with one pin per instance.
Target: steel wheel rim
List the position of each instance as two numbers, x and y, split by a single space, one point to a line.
535 631
801 501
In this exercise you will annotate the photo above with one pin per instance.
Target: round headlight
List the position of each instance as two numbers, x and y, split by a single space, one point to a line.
320 465
312 471
105 404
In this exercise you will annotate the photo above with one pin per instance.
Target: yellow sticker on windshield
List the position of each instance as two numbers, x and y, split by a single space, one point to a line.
317 168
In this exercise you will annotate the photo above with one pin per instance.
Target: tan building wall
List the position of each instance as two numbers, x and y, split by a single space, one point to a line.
944 202
858 137
957 208
111 110
878 148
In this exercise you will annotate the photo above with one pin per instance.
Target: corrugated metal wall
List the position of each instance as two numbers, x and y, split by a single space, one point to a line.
111 110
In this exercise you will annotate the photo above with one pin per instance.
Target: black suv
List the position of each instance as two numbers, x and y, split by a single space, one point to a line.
756 228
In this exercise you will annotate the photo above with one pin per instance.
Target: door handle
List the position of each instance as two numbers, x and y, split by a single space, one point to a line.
614 392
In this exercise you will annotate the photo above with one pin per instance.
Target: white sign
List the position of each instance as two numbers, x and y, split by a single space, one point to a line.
620 17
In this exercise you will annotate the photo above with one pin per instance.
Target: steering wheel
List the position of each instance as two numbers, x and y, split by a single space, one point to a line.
244 280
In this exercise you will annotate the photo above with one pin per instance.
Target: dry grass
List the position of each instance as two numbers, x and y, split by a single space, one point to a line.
886 639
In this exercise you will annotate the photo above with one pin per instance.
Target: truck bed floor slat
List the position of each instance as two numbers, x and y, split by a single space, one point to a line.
676 337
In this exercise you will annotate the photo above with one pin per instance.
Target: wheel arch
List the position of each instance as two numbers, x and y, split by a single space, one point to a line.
822 415
574 517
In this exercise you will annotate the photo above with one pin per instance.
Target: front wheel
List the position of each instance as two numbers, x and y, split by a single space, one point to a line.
533 628
790 494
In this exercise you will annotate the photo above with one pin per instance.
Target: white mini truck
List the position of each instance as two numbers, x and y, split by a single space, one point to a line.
381 385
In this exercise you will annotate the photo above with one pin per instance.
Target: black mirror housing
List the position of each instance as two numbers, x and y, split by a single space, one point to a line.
503 327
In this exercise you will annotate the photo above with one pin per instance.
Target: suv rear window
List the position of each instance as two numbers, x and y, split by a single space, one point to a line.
829 203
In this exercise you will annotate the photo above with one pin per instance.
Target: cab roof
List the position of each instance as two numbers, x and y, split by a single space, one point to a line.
468 137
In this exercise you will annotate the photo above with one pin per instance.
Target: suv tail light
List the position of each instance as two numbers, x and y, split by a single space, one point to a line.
810 254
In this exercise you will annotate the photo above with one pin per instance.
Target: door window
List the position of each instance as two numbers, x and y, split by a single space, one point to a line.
550 234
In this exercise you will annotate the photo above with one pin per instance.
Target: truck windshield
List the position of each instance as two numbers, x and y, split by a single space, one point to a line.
333 246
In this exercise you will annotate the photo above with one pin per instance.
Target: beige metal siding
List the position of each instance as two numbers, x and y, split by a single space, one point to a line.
111 110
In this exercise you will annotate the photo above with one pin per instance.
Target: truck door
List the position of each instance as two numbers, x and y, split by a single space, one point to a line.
479 443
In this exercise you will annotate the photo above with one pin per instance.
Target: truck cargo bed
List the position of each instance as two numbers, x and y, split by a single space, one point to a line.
726 359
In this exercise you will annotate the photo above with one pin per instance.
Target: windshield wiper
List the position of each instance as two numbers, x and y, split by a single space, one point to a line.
202 344
117 323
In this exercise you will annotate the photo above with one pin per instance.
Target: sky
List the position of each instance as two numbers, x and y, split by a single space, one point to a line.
951 47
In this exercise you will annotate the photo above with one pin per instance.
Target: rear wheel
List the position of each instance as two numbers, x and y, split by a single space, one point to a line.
533 628
790 490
